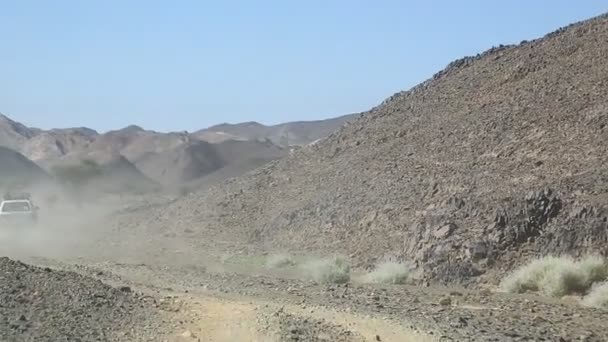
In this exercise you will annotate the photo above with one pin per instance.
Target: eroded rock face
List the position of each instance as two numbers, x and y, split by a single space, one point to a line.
524 220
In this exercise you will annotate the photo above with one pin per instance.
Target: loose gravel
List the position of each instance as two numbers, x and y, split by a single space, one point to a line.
40 304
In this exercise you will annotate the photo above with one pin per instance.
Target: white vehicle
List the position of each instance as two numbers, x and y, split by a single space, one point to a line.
17 212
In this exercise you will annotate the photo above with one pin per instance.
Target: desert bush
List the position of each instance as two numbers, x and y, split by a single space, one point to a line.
556 276
280 261
594 269
390 272
563 279
598 296
335 270
528 277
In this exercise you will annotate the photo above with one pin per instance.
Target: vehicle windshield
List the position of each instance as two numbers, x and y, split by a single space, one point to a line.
9 207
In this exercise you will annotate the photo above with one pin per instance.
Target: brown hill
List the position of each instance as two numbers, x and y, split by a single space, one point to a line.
12 133
104 171
169 158
17 170
40 145
184 163
498 157
191 161
232 151
215 137
133 142
48 146
286 134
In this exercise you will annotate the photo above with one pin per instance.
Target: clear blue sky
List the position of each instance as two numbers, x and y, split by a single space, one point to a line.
184 65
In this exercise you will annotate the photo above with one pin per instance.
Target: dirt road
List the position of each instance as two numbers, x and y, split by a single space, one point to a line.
221 294
227 306
216 319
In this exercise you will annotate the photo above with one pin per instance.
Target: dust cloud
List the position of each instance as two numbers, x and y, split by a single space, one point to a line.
66 228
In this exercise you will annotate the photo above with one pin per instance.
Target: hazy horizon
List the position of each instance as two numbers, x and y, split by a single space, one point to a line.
187 66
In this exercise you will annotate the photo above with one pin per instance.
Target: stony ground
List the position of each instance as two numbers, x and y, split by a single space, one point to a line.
222 293
40 304
422 314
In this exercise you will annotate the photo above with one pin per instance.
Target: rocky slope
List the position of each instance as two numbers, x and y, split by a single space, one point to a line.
48 146
496 158
13 133
181 164
17 169
38 304
104 171
191 161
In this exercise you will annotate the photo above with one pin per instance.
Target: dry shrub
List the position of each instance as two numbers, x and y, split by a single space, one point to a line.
335 270
598 296
280 261
557 276
390 272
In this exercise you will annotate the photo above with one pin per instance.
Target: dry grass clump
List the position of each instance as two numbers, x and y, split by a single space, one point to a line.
390 272
280 261
557 276
334 270
597 297
594 268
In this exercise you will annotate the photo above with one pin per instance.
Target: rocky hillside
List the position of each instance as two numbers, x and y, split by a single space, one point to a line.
105 171
48 146
190 161
17 169
498 157
183 163
13 134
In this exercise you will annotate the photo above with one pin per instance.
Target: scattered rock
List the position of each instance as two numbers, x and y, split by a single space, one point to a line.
188 334
60 304
444 231
446 301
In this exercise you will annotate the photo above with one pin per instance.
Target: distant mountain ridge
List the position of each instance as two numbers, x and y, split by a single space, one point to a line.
285 134
168 158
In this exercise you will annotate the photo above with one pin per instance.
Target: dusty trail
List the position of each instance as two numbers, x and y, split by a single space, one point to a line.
237 299
225 320
201 298
211 306
356 312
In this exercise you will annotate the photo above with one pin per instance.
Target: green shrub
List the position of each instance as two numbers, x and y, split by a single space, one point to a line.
390 272
335 270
